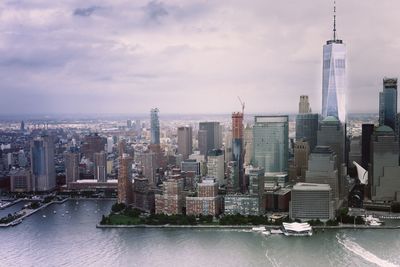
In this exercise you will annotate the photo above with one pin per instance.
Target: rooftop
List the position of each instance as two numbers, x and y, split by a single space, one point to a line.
311 187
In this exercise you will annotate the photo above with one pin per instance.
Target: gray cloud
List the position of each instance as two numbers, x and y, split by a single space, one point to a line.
85 12
128 56
156 10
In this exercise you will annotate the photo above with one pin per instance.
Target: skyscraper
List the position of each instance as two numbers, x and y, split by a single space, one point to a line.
71 166
388 103
237 145
42 164
367 131
334 77
215 165
212 133
271 143
100 166
92 143
331 134
185 145
154 127
306 123
125 179
322 169
304 105
384 175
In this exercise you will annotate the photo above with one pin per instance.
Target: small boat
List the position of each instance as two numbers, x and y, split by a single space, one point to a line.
276 231
44 216
54 212
258 229
14 223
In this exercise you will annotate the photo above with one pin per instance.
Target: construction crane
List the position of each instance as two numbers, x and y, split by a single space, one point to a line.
242 104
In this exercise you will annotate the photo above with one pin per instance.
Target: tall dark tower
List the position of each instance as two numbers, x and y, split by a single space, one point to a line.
237 146
388 103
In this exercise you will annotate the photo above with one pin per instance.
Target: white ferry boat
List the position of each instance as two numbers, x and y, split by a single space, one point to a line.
373 221
296 229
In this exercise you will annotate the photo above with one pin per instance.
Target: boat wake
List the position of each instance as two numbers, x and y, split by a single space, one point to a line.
363 253
271 260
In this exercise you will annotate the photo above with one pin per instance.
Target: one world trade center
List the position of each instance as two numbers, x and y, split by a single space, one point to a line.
334 77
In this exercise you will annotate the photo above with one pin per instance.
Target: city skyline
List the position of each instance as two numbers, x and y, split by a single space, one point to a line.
57 59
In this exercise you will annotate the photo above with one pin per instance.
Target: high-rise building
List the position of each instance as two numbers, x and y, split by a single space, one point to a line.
185 146
334 77
300 165
72 159
143 196
207 201
154 127
232 175
216 165
110 144
42 164
202 142
212 136
311 202
271 143
388 103
20 181
125 179
129 124
171 200
384 175
366 134
322 169
191 165
248 145
100 166
355 150
237 145
304 105
306 123
91 144
242 204
22 127
331 133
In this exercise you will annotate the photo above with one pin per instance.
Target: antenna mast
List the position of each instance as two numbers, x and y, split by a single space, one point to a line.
334 20
242 104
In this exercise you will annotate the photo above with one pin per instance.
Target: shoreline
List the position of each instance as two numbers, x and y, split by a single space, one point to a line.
10 224
246 227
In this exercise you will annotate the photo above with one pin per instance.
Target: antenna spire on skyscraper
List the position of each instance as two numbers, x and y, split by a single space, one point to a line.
334 20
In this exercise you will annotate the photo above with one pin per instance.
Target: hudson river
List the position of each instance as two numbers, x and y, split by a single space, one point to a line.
73 240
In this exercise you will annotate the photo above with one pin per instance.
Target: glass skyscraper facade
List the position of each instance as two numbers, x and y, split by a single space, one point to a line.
334 79
307 128
271 143
154 127
388 103
42 164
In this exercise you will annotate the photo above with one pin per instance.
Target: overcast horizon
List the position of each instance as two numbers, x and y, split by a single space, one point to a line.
189 57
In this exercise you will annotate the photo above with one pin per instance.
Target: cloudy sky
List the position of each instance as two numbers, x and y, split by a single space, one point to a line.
124 56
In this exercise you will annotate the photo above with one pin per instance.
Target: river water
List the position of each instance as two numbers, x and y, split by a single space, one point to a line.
73 240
